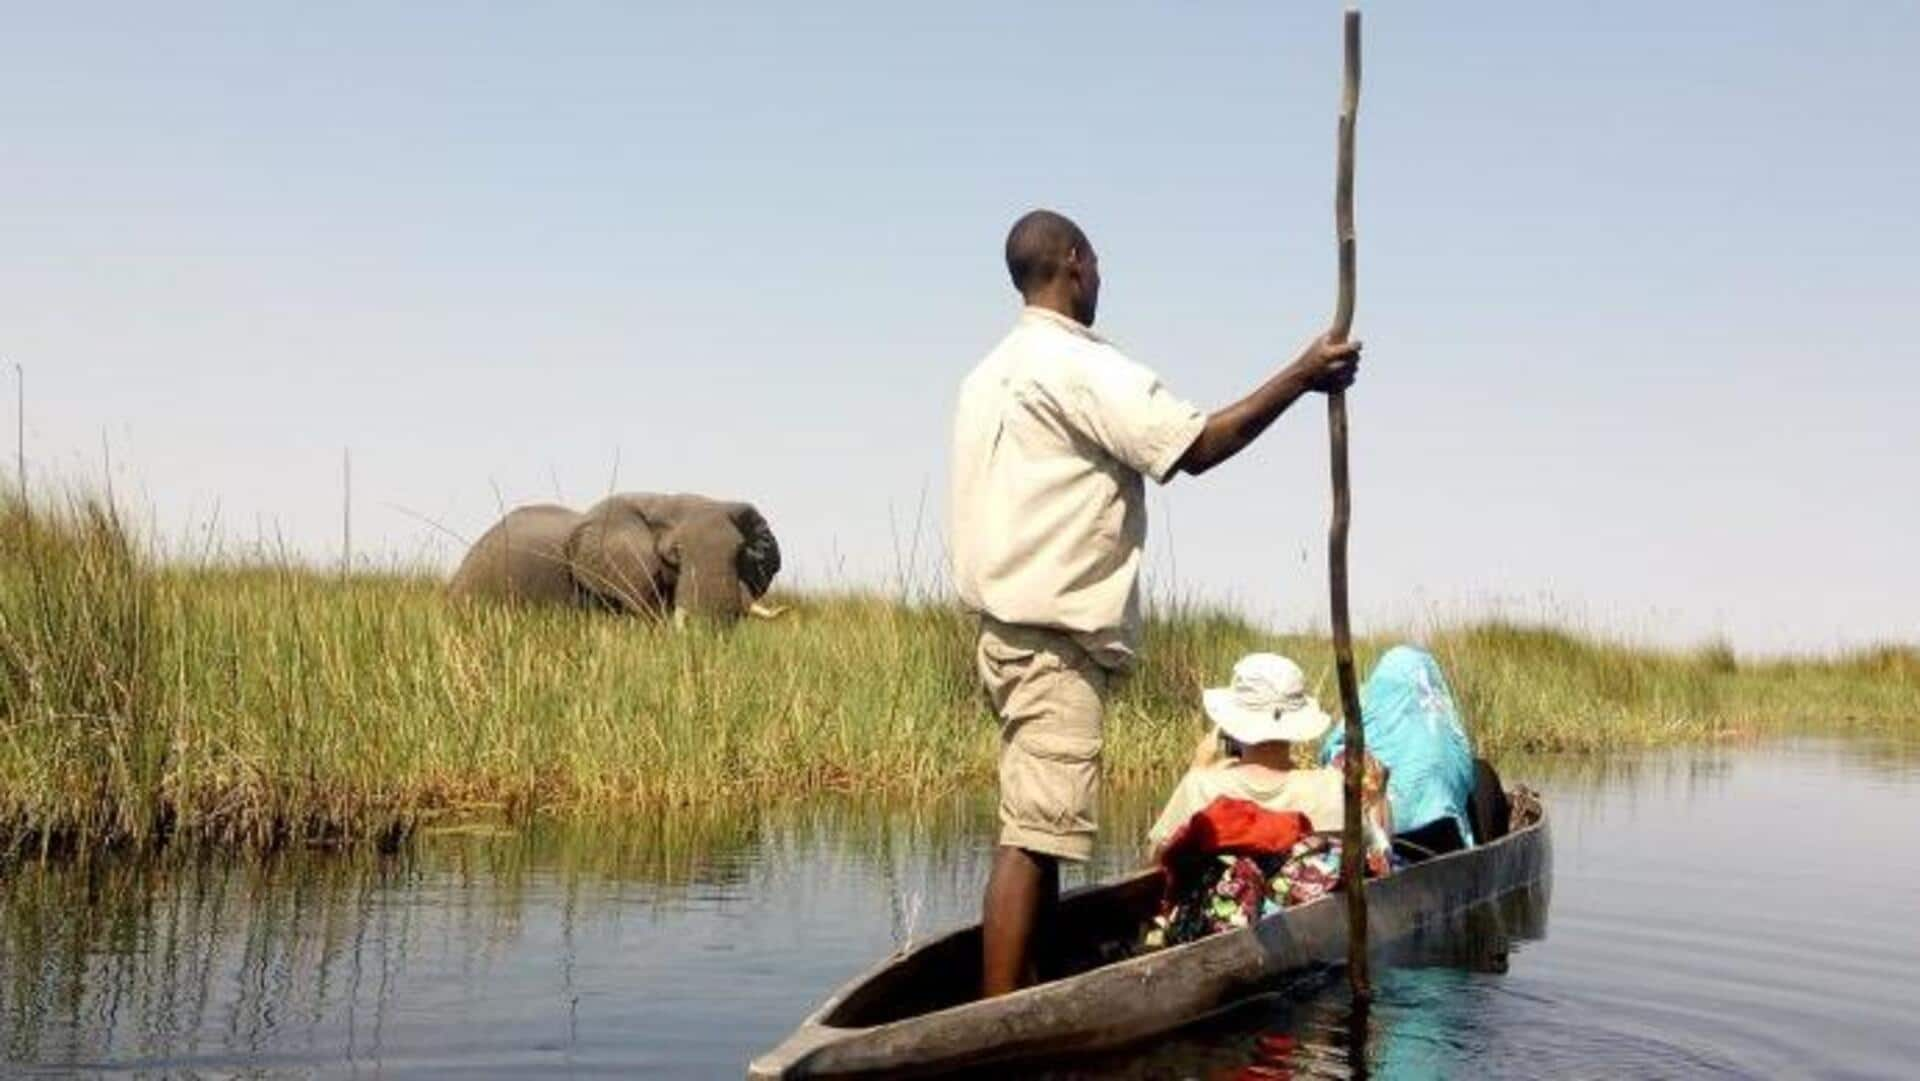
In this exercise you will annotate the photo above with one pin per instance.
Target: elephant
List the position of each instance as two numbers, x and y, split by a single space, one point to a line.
638 553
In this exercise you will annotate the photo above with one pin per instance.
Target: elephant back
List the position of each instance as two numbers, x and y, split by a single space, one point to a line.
616 557
523 557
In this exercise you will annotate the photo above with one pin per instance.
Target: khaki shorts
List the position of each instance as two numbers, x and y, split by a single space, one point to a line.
1050 697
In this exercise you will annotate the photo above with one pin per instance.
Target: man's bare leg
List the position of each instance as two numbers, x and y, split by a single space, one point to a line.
1022 891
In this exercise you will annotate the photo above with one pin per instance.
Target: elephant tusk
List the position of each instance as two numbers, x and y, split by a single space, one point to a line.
762 611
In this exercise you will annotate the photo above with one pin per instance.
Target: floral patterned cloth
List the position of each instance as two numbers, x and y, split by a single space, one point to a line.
1310 872
1225 893
1231 891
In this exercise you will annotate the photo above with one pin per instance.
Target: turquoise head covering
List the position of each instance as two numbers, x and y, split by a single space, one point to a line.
1413 728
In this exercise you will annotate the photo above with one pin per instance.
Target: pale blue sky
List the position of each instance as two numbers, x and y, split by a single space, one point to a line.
1638 280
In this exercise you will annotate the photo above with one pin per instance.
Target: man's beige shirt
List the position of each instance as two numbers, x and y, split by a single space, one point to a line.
1053 432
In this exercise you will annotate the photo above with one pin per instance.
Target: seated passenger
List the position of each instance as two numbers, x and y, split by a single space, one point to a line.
1249 755
1413 728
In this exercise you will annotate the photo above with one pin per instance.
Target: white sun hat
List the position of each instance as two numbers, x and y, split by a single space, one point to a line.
1267 701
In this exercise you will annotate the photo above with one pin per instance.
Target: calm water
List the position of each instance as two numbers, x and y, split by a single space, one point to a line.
1740 913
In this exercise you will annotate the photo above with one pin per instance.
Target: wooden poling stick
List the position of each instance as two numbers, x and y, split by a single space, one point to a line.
1354 849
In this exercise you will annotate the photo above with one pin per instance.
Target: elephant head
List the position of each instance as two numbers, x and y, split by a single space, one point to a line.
639 553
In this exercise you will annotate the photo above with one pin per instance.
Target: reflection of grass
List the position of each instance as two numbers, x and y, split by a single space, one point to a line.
256 704
179 952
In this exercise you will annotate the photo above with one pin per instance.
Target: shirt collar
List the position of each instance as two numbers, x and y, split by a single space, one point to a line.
1031 314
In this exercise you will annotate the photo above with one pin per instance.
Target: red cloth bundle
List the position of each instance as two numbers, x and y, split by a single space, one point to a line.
1237 827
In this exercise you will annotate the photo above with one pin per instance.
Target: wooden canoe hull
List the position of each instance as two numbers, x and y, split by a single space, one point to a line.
892 1021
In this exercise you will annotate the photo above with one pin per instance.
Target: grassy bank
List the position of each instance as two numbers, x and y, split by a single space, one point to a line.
253 705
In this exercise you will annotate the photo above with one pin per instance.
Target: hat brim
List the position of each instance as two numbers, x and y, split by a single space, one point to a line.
1302 725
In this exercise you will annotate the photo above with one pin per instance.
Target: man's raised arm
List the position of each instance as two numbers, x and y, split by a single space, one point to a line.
1322 366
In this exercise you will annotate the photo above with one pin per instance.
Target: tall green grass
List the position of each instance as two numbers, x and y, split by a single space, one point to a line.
257 705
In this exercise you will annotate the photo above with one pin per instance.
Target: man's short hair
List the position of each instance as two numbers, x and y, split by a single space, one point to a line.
1038 246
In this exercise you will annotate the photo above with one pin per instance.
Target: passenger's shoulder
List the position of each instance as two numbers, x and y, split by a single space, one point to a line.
1217 779
1320 777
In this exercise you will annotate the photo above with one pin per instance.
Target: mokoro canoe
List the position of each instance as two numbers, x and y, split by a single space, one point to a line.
916 1014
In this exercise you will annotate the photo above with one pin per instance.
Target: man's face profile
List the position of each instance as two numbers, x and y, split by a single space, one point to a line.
1084 264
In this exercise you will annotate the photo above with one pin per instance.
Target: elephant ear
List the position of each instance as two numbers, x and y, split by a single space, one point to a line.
759 558
616 556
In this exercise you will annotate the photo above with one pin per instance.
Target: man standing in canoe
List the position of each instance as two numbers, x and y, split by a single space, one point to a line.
1052 436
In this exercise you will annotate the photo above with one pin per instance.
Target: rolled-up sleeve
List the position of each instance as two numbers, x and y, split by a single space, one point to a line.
1122 405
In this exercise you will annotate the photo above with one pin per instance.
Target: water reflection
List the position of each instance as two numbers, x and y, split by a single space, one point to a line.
1311 1027
311 955
1739 910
